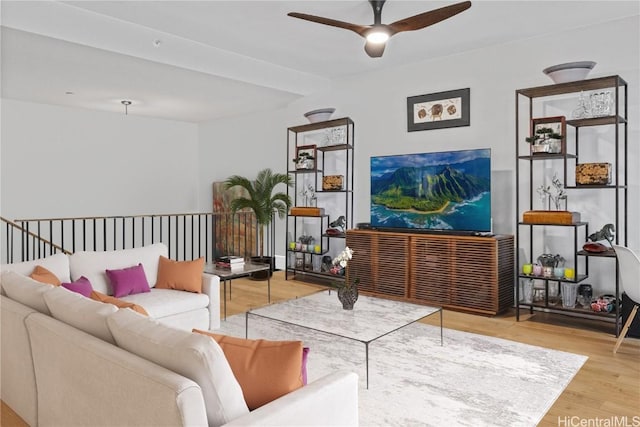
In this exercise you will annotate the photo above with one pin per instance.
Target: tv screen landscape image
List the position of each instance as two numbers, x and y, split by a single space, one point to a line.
445 191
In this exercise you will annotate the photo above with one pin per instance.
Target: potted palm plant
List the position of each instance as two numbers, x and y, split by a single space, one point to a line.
263 202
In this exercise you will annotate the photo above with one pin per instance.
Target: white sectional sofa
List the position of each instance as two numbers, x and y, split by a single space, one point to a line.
68 360
185 310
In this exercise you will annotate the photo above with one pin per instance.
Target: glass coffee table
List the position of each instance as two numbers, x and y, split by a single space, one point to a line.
371 319
227 275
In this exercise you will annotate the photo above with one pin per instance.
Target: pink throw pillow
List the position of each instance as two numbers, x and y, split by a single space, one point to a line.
128 281
81 286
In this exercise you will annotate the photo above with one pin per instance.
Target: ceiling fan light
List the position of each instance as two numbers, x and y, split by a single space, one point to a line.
377 36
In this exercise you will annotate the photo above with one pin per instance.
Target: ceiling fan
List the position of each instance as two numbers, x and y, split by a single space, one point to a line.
378 33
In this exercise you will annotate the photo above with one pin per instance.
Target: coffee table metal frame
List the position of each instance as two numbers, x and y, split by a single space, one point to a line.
363 341
227 275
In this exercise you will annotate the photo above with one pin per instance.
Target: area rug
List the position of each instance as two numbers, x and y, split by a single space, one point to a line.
472 380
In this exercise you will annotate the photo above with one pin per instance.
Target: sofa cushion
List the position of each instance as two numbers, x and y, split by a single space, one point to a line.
266 370
100 297
81 286
43 275
80 312
25 290
127 281
194 356
167 302
58 264
181 275
92 265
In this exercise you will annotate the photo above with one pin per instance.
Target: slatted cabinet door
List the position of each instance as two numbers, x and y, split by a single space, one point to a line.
430 276
473 273
381 262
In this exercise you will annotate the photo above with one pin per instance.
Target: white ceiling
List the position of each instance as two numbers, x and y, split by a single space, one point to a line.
202 60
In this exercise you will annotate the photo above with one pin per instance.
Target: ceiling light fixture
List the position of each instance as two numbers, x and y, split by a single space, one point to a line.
126 106
377 35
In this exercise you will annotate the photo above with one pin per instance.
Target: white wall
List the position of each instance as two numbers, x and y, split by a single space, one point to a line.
61 162
377 104
240 146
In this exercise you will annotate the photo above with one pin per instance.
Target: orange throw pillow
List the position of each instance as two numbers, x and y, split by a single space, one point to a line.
264 369
180 275
41 274
117 302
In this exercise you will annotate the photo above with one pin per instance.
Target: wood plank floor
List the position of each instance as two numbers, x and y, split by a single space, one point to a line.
607 386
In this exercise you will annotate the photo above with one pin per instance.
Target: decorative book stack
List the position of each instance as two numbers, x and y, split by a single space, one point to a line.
232 262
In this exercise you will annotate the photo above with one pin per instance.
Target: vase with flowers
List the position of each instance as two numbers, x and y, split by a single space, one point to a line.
347 291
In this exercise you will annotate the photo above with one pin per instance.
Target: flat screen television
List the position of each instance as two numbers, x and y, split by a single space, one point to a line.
447 191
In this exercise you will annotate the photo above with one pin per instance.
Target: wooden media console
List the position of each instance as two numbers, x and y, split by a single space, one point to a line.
468 273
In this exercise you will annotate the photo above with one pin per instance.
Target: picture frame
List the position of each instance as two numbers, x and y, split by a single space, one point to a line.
439 110
306 156
558 124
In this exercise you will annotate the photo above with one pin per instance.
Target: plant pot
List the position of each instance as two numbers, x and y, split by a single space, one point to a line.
264 274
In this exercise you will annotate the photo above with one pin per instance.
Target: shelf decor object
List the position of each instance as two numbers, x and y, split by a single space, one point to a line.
547 135
332 182
305 157
319 115
593 174
569 72
306 211
551 217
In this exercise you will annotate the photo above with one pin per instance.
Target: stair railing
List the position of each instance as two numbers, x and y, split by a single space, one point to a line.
188 235
19 244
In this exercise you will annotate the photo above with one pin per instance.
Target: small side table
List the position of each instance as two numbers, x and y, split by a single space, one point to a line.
227 275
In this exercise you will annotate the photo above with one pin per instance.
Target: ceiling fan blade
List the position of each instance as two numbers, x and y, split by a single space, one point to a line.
374 50
422 20
359 29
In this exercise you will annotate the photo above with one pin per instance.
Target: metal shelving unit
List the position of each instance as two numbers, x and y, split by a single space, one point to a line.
562 162
333 157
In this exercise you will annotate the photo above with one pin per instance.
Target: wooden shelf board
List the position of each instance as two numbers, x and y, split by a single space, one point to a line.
345 121
336 147
575 224
596 121
547 156
578 309
305 171
610 253
570 87
593 186
580 278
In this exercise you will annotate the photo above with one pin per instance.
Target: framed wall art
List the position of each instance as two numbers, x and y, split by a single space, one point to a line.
548 135
305 157
438 110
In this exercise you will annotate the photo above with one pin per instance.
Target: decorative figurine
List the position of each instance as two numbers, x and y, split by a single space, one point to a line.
308 194
605 233
545 192
337 227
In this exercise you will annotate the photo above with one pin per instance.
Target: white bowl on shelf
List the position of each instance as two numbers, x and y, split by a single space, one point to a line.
569 72
319 115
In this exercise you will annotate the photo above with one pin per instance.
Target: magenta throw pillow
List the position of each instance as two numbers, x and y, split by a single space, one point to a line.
128 281
305 355
81 286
